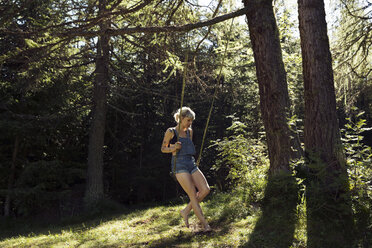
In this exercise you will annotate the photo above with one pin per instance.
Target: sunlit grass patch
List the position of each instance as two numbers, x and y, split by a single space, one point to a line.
158 226
300 237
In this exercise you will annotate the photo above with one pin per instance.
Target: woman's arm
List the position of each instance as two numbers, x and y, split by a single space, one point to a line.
167 138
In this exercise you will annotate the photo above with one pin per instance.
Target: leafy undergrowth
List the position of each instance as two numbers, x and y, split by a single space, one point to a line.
156 226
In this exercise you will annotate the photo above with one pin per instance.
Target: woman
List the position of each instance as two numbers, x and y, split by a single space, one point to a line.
187 173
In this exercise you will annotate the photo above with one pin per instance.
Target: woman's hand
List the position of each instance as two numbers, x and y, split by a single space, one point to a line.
178 145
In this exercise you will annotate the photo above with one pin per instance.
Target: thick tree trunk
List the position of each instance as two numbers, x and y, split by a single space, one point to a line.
329 211
281 193
94 188
11 178
271 76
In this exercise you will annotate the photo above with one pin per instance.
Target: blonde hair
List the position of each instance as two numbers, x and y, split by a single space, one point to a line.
186 112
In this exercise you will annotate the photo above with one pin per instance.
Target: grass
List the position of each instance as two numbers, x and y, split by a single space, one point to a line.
154 226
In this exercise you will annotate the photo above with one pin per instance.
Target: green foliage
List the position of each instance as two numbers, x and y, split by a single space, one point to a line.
330 194
359 162
244 160
292 59
225 208
279 217
43 105
352 56
359 155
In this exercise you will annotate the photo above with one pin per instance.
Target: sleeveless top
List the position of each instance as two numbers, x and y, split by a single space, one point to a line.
188 147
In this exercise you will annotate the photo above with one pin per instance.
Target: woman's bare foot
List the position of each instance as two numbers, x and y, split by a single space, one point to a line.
185 218
207 228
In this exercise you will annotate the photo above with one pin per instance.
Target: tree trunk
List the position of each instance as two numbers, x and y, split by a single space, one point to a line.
11 178
94 188
328 207
271 76
281 193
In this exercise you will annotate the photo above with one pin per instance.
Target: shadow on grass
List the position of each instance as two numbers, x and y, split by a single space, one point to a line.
276 226
183 239
78 226
14 227
330 220
224 208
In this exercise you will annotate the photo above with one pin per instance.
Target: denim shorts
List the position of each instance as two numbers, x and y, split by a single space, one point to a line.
184 163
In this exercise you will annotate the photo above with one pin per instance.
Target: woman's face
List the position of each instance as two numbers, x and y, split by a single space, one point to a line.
186 122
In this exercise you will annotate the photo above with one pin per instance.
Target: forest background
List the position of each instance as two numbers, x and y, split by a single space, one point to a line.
50 64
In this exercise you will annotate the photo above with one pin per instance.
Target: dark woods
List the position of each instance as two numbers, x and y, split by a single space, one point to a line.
84 117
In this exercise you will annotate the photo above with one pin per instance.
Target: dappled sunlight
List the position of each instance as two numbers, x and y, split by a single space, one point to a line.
160 226
233 221
62 240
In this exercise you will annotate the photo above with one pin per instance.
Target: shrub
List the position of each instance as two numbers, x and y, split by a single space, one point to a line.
245 161
359 164
45 186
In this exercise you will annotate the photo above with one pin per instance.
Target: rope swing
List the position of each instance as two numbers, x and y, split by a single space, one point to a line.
215 94
212 103
172 173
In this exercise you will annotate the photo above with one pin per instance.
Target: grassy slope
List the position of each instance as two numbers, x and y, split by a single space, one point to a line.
157 226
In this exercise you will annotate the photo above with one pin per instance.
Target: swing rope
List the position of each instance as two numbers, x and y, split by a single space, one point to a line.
214 95
212 104
173 172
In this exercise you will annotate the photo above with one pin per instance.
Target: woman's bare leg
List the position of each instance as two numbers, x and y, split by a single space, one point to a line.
203 190
187 183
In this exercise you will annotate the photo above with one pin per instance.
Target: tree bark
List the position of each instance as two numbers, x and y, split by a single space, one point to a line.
271 76
11 178
281 192
329 211
94 186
